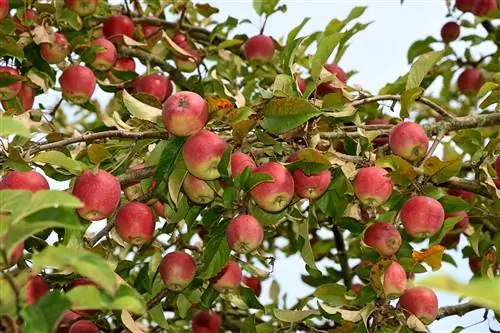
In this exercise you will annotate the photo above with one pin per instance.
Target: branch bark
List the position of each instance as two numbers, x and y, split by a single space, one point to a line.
344 265
467 185
456 310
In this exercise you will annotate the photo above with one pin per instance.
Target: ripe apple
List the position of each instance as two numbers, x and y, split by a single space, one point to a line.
36 288
135 223
77 84
152 33
4 9
229 278
381 139
177 270
465 5
117 26
450 240
99 191
239 162
26 98
156 85
409 140
260 48
104 59
275 195
68 318
29 18
450 32
309 186
484 7
82 7
356 287
383 238
57 51
329 88
244 234
185 113
468 196
124 64
10 91
372 186
253 282
202 153
394 280
301 84
422 216
470 80
24 180
421 302
463 223
84 326
183 63
197 190
206 322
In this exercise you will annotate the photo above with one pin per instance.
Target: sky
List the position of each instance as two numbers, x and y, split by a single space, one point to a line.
379 55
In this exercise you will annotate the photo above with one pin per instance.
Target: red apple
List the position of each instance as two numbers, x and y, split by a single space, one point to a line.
475 264
372 186
394 280
484 7
301 84
381 139
152 33
124 64
383 238
260 48
450 240
309 186
229 278
329 88
29 17
135 223
463 223
36 288
14 257
117 26
275 195
26 98
206 322
422 216
184 63
450 32
4 9
68 318
202 153
409 140
82 7
465 5
28 180
421 302
470 80
497 182
84 326
177 270
77 84
10 91
356 287
468 196
159 208
99 191
197 190
57 51
156 85
253 282
185 113
239 162
244 234
106 58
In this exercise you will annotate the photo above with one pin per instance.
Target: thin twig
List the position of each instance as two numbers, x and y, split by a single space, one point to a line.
102 233
456 310
435 144
344 265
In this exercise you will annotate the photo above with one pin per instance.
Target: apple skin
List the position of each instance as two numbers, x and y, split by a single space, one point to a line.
465 5
135 223
56 52
327 88
156 85
475 264
177 270
394 280
28 180
244 234
185 113
77 84
68 318
13 89
124 64
84 326
82 7
202 153
26 98
259 48
206 322
29 17
301 84
197 190
450 32
466 195
4 9
463 223
484 7
239 162
275 195
422 302
36 288
105 59
381 139
117 26
450 240
422 216
253 282
383 238
470 80
497 166
372 186
100 192
152 33
229 278
409 140
312 186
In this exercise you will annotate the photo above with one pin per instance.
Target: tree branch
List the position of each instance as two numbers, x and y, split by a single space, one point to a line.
467 185
344 265
456 310
103 232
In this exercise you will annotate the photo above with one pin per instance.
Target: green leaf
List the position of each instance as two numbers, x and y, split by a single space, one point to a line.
59 159
453 204
402 171
225 163
295 31
256 178
283 85
47 199
291 316
139 109
306 250
249 298
230 194
9 47
447 226
71 18
248 325
168 157
176 179
183 304
354 14
421 67
265 218
206 10
331 293
420 47
407 98
44 315
88 297
289 54
217 251
9 126
325 48
284 114
259 6
310 162
441 171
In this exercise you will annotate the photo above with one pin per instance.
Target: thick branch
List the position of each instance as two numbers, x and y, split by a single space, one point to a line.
456 310
341 252
467 185
133 176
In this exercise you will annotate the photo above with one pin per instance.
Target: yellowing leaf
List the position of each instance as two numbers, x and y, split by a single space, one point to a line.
432 256
139 109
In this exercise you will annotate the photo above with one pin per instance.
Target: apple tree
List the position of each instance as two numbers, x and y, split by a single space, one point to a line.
215 151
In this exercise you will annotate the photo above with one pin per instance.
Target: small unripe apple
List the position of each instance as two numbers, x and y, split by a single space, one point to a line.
106 58
470 80
450 32
185 113
381 139
177 270
465 5
202 153
466 195
260 48
29 18
68 318
197 190
275 195
244 234
36 288
24 180
421 302
26 98
229 278
152 33
394 280
309 186
463 223
57 51
82 7
239 162
10 91
4 9
84 326
253 282
206 322
124 64
409 140
156 85
99 191
372 186
422 216
383 238
77 84
117 26
484 7
328 88
135 223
